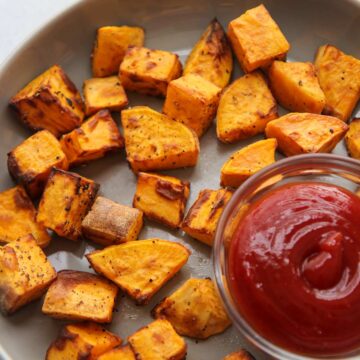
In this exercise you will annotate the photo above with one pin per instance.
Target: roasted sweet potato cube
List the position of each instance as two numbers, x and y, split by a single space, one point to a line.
201 220
110 47
296 86
110 223
96 137
339 78
65 202
194 310
211 56
18 217
30 163
301 133
148 71
155 142
239 355
140 268
245 108
51 102
193 101
84 340
25 273
79 295
162 198
158 341
352 139
256 39
118 353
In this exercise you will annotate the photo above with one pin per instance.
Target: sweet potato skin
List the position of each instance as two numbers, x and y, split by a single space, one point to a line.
352 139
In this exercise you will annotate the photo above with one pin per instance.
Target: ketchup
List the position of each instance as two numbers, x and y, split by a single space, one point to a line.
294 268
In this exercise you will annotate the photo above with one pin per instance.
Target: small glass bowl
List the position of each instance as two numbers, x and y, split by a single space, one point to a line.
325 168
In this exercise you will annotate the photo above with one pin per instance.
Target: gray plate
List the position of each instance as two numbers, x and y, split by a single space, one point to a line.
173 25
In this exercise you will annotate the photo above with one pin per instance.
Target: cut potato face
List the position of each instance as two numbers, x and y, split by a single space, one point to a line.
140 268
352 139
239 355
119 353
245 108
247 161
302 133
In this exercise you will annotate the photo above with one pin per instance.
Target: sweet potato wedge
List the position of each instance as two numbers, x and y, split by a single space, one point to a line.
352 139
118 353
239 355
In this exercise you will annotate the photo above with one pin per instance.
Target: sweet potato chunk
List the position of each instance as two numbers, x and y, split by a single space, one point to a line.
239 355
110 47
140 268
201 220
245 108
149 71
51 101
65 202
79 295
18 218
162 198
211 56
301 133
25 273
30 163
96 137
85 340
110 223
194 310
339 78
247 161
192 100
158 341
296 87
119 353
155 142
104 93
352 139
256 39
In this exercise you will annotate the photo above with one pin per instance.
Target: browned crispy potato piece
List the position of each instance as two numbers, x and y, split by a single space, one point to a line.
256 39
192 100
65 202
148 71
18 217
140 268
352 139
30 163
118 353
110 47
158 341
96 137
301 133
211 56
155 142
239 355
51 101
109 223
245 108
194 310
201 220
25 273
296 86
162 198
104 93
339 78
79 341
79 295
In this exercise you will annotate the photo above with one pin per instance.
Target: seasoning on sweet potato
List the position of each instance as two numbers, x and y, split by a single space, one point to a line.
352 139
18 217
201 220
158 341
65 202
161 198
30 163
155 142
339 78
51 102
296 86
211 56
239 355
140 268
118 353
25 273
79 295
245 108
256 39
247 161
301 133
